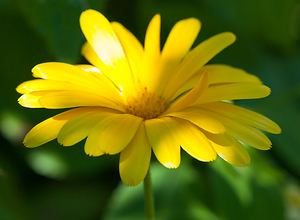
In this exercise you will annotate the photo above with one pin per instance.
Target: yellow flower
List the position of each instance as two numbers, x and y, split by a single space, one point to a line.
136 99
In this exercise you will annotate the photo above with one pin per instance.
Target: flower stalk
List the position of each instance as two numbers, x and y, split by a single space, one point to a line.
148 197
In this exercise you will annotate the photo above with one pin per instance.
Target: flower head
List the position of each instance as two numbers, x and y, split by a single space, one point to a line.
136 99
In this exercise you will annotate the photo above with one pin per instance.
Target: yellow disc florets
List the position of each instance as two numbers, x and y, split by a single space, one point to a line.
146 104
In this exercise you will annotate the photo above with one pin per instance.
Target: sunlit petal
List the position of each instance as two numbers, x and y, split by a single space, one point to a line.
107 86
89 53
134 100
101 37
66 73
52 85
69 99
31 100
132 47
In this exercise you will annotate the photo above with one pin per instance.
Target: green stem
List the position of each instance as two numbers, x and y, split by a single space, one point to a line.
148 197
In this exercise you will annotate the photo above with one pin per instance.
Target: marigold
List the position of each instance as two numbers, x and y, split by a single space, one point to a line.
135 99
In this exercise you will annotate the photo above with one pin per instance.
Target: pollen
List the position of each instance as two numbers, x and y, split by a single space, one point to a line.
146 105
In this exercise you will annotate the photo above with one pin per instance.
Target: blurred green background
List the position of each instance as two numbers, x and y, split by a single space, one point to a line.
55 182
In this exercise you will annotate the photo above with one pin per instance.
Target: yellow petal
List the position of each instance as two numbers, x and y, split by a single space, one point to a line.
107 83
192 140
118 133
229 149
191 96
242 131
112 134
91 79
91 56
101 37
80 126
48 129
69 99
132 47
233 92
164 142
218 74
31 100
196 59
151 57
179 42
66 73
92 144
42 85
201 120
52 85
244 115
135 158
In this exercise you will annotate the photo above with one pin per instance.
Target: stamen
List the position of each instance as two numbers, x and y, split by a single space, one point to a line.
146 104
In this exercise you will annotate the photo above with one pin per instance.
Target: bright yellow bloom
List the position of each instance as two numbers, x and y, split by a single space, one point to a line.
136 99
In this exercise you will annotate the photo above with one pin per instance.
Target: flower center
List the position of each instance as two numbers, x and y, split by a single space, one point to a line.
146 104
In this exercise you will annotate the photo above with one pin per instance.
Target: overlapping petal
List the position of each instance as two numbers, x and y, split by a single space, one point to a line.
62 76
164 142
92 143
229 149
218 74
181 95
70 99
80 126
118 133
49 129
192 140
31 100
66 73
241 131
196 59
132 47
135 158
201 120
100 35
191 96
179 42
244 115
112 134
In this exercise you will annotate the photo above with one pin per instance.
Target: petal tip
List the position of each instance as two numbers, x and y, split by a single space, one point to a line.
232 36
87 12
20 88
170 165
278 130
